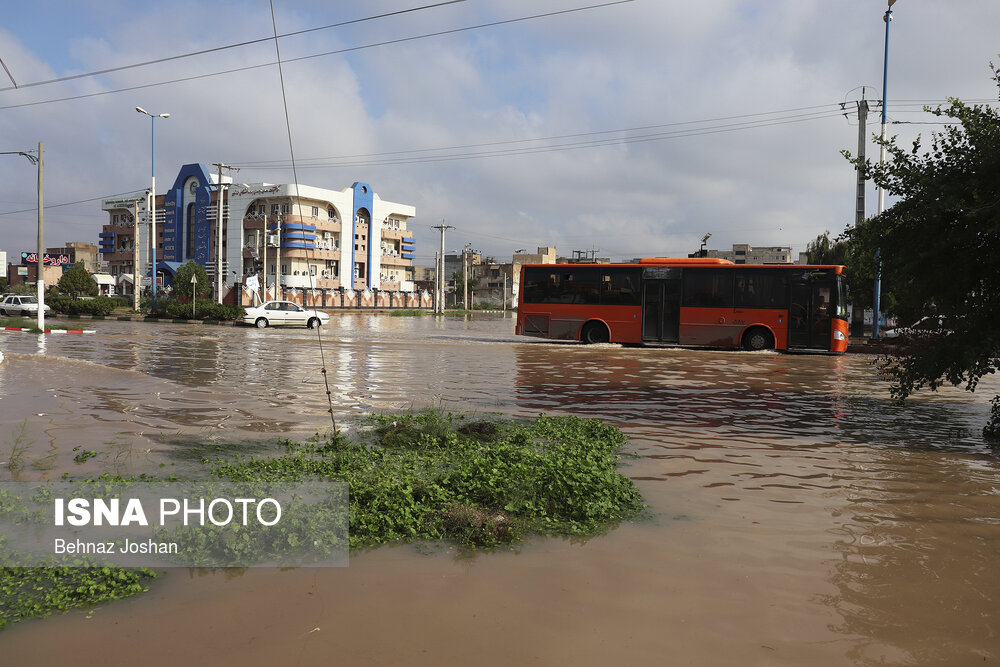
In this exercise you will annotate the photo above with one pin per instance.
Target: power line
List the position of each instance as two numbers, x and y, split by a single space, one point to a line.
531 150
262 163
72 203
216 49
319 55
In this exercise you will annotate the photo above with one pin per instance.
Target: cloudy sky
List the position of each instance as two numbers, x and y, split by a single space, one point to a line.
629 128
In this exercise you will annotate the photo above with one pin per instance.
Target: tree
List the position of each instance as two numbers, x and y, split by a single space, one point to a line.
78 282
939 246
182 280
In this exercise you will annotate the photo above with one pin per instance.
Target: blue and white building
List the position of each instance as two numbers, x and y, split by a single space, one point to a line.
313 238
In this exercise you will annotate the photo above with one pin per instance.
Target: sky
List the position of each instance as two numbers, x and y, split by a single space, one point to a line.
631 129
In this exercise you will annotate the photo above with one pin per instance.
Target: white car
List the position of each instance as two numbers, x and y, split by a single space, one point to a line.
271 313
20 304
929 325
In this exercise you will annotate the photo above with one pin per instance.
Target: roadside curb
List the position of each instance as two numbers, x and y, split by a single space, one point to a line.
53 331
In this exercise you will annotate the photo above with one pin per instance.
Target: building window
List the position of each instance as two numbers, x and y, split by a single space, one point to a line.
285 208
274 209
315 211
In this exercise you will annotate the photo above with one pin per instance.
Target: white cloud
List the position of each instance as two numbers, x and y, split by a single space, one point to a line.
634 65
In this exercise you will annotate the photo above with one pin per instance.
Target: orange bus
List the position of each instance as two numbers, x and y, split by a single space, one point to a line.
697 302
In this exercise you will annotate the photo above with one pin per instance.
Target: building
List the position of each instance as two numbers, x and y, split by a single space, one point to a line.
79 253
744 253
27 270
313 238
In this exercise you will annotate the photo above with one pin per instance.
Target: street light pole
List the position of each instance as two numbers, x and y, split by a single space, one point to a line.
881 190
40 272
152 193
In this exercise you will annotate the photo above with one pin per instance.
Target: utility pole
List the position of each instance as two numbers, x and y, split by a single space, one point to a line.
264 258
277 263
135 255
41 248
40 272
881 191
465 277
504 292
439 269
859 214
218 233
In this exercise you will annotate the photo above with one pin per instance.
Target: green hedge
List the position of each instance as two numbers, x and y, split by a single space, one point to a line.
204 310
67 305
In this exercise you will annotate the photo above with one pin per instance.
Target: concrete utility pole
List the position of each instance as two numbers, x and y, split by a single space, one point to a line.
504 291
135 256
465 277
40 270
218 235
264 260
41 248
439 269
859 214
277 263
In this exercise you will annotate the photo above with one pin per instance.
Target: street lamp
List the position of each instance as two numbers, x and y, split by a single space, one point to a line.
40 273
152 194
881 190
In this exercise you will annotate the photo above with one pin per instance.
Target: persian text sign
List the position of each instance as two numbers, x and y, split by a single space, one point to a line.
49 260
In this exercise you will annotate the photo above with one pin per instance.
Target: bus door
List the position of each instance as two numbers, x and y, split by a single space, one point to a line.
809 311
661 304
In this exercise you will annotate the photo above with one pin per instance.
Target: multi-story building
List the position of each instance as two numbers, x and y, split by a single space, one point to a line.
323 239
744 253
313 238
79 253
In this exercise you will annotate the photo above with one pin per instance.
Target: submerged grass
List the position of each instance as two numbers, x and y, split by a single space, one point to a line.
433 475
417 477
27 592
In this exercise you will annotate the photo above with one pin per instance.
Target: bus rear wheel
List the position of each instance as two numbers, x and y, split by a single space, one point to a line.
595 332
758 338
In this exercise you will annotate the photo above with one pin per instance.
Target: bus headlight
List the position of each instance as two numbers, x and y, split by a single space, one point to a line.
839 335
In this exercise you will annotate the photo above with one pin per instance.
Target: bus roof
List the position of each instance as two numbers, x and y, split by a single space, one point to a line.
700 261
686 261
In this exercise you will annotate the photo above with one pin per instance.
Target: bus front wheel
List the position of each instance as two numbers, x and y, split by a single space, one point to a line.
595 332
758 338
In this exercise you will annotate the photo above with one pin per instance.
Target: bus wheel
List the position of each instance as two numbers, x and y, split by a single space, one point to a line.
758 338
595 332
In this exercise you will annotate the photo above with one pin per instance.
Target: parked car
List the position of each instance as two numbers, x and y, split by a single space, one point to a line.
271 313
20 305
929 325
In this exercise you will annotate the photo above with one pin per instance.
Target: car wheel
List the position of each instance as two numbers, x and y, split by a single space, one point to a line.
313 322
261 323
595 332
757 339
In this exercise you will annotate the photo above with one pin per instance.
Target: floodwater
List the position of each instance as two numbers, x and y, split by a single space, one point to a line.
797 515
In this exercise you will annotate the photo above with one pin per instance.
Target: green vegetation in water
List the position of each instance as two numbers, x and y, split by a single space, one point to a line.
415 477
436 476
407 312
27 592
83 454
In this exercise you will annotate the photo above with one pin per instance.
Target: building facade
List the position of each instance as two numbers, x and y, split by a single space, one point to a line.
291 236
744 253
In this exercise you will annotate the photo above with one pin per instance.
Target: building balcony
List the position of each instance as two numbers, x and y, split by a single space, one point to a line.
306 253
309 282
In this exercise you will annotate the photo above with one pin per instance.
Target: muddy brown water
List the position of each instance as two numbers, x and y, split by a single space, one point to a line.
796 514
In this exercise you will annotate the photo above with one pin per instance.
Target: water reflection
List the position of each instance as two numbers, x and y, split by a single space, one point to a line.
791 500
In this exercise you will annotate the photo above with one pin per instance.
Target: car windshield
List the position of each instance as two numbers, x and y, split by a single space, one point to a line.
29 299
